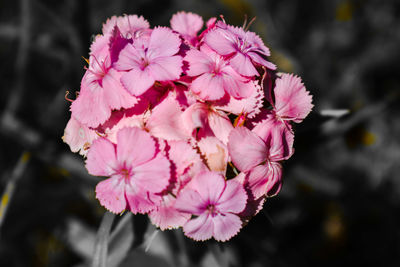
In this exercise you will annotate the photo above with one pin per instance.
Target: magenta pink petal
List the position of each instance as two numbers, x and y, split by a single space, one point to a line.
117 97
186 23
91 108
208 86
226 226
110 193
166 68
166 216
220 41
220 125
190 201
139 200
233 199
265 179
199 62
292 100
137 81
163 43
246 149
243 65
135 146
200 228
153 175
165 121
209 185
101 160
129 58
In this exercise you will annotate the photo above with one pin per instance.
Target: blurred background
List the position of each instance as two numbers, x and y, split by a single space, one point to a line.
340 202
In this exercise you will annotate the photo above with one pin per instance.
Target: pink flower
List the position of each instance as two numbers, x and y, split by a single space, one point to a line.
150 60
259 158
137 171
292 101
215 203
78 136
187 24
214 76
131 26
101 90
242 47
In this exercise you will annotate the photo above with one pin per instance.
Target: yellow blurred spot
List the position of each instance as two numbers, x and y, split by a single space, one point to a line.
64 172
333 226
25 157
344 11
238 7
368 138
4 200
284 63
87 60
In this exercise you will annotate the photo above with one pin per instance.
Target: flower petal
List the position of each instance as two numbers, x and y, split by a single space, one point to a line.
243 65
200 228
208 86
137 81
163 43
101 160
246 149
233 199
166 68
226 226
134 146
190 201
111 195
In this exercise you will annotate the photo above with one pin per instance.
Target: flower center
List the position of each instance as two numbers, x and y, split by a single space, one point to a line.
212 210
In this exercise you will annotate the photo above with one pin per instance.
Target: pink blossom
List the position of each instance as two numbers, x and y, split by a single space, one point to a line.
101 90
131 26
146 61
214 76
244 48
136 169
187 24
292 101
78 136
215 203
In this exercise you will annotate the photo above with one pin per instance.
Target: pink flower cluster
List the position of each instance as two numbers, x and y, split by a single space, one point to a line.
187 127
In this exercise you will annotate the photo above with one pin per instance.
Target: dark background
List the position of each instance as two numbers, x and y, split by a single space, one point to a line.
340 202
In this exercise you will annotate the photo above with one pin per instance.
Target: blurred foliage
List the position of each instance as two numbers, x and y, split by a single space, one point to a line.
341 198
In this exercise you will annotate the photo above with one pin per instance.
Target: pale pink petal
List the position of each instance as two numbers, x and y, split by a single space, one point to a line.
209 185
116 95
129 58
91 107
139 200
166 68
246 149
125 121
220 125
163 43
182 155
226 226
166 216
221 41
292 100
137 81
101 160
153 175
243 65
128 25
208 86
200 228
235 86
135 146
78 136
111 194
215 153
251 106
199 62
190 201
194 117
186 23
165 121
233 199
